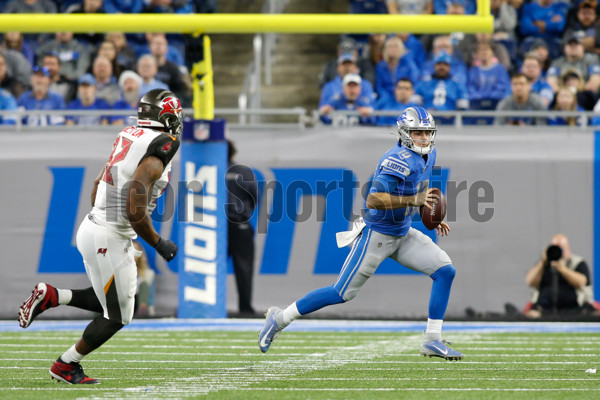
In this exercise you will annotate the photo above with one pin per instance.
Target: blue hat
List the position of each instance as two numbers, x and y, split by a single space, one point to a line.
346 57
442 57
45 71
87 79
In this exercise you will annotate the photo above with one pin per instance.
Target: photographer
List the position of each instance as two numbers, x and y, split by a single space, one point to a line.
562 282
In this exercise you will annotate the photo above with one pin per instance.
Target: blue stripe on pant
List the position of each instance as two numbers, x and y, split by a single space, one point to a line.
330 295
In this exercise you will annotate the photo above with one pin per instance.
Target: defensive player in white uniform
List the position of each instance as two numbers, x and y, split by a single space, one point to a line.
400 186
123 197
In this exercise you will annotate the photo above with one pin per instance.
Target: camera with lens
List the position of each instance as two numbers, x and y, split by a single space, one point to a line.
553 253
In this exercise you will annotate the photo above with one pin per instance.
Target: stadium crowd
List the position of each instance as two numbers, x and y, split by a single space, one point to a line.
542 55
92 71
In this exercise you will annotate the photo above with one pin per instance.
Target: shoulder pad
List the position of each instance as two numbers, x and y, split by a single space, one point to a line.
163 147
395 166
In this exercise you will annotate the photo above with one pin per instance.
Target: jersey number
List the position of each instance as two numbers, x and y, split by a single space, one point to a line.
123 145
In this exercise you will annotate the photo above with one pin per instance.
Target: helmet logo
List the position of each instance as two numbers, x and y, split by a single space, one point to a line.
170 105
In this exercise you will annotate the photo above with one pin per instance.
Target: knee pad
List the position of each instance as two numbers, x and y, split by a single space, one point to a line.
99 331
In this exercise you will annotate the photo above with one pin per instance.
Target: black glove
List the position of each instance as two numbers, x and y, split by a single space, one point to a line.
166 248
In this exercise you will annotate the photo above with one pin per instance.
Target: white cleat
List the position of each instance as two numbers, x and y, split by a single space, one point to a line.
270 330
439 348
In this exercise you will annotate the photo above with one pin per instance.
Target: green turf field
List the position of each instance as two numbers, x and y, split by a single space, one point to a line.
306 365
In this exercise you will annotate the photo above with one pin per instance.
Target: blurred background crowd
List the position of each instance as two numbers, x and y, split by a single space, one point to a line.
542 55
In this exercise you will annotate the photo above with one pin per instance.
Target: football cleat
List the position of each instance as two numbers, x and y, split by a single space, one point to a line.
71 373
42 298
439 348
270 330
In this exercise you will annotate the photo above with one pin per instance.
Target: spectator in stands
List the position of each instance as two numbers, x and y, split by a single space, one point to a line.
396 64
374 49
585 26
561 281
410 7
346 65
130 84
87 7
7 102
58 83
123 6
441 91
172 53
351 98
14 41
532 69
521 99
30 7
368 7
86 100
147 69
205 6
402 94
6 83
540 49
106 83
74 56
450 7
109 50
168 6
414 47
543 19
565 101
347 46
575 57
443 43
573 80
487 79
40 98
468 49
126 58
18 72
168 72
505 19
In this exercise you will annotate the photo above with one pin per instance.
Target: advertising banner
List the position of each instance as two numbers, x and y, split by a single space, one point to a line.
509 191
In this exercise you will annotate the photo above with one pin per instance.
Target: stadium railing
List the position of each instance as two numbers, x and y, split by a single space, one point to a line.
299 116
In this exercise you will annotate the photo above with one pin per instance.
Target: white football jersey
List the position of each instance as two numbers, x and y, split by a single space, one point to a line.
131 146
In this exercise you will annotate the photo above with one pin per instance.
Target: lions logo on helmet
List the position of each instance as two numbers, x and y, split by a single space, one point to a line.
416 119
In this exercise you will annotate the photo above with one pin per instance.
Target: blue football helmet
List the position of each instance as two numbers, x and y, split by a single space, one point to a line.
416 119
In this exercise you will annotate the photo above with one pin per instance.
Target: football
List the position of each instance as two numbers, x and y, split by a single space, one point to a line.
432 217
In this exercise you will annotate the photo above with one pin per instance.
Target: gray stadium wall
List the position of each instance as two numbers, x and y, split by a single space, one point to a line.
509 190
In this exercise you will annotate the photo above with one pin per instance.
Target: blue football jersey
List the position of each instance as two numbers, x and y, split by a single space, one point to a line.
400 172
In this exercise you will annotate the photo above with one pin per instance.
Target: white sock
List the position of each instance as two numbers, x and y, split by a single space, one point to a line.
434 329
71 355
289 314
64 296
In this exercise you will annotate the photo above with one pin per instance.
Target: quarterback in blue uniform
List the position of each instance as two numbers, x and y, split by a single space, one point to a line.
400 186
